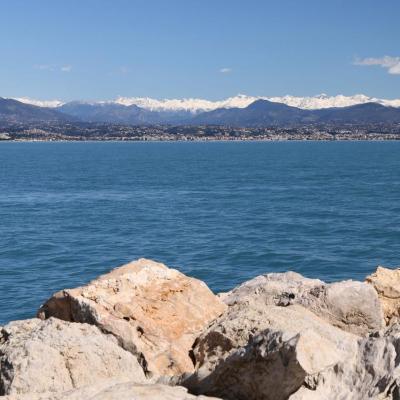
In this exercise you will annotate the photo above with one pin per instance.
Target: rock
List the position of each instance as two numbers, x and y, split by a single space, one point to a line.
350 305
133 391
372 374
54 356
284 336
115 390
155 312
387 284
276 337
265 352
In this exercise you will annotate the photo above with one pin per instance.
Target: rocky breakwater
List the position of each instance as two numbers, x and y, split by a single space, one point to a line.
144 331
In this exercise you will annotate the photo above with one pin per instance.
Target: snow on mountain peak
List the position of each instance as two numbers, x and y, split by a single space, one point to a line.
40 103
187 104
196 105
325 101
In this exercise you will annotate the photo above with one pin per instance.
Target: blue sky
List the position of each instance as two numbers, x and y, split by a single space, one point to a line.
93 49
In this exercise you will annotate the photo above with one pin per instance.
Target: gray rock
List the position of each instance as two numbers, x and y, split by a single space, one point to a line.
55 356
350 305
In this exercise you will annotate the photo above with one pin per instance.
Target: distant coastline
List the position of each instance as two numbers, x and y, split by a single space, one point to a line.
62 131
205 140
292 138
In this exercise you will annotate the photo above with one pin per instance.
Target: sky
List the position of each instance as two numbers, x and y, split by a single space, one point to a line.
99 50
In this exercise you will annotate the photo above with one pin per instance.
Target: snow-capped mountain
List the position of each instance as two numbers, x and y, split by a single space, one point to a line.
268 113
192 104
195 105
325 101
40 103
242 101
261 112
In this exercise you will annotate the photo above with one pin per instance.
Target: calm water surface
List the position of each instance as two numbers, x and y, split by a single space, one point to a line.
222 212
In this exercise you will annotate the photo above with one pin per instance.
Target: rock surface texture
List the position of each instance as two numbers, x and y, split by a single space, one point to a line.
116 390
288 337
387 283
280 336
53 355
350 305
265 352
155 312
372 373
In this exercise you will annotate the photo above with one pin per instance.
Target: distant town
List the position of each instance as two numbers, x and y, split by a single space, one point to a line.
66 131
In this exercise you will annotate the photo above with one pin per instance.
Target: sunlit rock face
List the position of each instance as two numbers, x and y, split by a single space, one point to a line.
155 312
53 356
350 305
387 284
284 336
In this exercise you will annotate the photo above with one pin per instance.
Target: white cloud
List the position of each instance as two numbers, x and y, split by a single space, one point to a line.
50 67
225 70
392 64
66 68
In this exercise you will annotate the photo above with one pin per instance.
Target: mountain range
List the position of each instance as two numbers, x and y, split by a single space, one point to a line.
238 111
267 113
196 105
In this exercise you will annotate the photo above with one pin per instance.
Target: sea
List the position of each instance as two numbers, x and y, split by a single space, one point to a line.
223 212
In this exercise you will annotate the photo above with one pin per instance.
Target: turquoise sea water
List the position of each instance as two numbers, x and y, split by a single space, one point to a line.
222 212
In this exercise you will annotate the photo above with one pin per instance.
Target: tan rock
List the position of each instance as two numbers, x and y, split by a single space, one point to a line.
55 356
387 284
155 312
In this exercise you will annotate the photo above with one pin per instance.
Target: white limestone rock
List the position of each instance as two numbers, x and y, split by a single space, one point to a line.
350 305
265 352
288 337
372 374
55 356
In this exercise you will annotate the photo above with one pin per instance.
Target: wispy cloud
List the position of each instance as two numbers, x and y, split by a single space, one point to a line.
392 64
66 68
225 70
51 67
